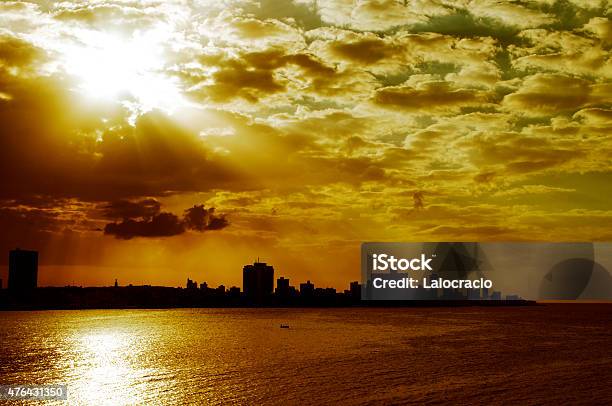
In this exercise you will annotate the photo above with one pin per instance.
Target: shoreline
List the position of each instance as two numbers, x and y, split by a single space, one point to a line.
364 305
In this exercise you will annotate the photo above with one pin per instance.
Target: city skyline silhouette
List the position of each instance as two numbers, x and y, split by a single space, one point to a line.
260 288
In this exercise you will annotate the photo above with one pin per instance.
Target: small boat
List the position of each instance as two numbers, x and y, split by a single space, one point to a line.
284 326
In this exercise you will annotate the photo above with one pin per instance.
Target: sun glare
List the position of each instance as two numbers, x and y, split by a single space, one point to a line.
128 69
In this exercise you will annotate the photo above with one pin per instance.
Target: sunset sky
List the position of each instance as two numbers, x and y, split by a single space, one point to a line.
152 141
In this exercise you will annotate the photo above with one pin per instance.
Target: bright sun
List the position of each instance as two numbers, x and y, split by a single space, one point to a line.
117 68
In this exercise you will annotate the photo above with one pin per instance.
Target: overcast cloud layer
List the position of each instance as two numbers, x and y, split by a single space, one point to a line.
302 127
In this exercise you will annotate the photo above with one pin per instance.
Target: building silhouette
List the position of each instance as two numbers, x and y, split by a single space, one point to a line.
282 287
325 292
355 289
258 280
191 284
307 289
23 270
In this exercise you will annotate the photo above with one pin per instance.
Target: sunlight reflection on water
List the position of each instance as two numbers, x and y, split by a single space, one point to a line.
355 356
104 369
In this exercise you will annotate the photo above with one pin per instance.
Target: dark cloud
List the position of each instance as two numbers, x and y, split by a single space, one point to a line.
200 218
148 221
572 14
21 221
28 228
545 94
146 208
427 97
311 66
160 225
251 75
54 143
367 51
156 149
464 24
91 151
74 161
15 52
520 154
595 115
303 14
237 79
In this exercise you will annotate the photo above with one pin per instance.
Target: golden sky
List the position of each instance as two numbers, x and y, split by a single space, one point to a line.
150 141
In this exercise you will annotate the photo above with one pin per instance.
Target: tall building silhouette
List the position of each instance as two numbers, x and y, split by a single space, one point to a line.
355 290
258 280
307 289
23 270
282 287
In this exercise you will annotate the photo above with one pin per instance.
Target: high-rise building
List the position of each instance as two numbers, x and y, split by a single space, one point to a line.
307 289
355 290
282 287
23 270
258 280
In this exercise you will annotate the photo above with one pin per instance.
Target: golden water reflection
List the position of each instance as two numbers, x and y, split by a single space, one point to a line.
104 371
328 356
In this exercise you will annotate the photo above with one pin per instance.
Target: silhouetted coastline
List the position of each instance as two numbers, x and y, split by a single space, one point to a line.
258 290
160 297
